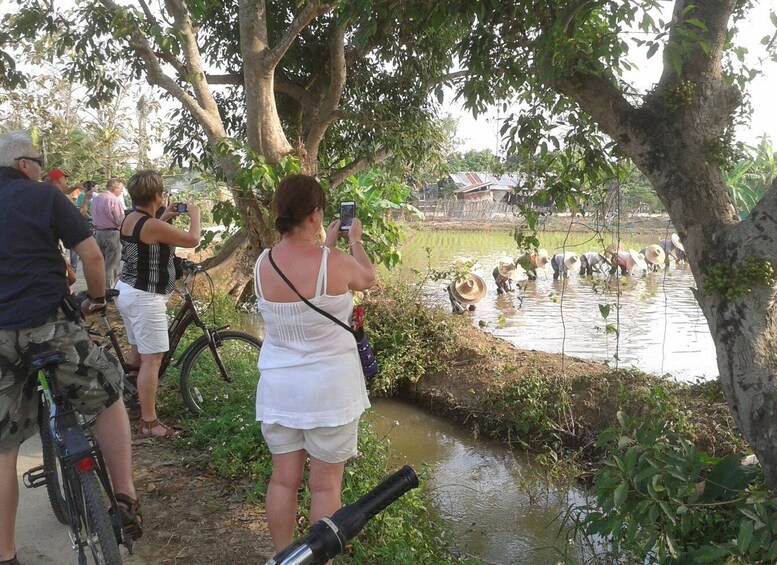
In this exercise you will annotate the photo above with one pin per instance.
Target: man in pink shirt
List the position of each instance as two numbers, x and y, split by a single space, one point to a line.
108 214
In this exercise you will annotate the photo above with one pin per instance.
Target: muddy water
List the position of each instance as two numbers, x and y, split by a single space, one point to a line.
654 322
479 487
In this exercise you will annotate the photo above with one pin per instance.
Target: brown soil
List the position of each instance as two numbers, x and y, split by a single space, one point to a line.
658 224
192 517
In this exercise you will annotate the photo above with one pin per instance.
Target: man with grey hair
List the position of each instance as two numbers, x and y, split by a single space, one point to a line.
37 314
107 215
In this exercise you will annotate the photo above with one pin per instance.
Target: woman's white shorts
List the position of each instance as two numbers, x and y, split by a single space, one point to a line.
145 318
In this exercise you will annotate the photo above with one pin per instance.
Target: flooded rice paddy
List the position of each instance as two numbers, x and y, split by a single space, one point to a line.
654 323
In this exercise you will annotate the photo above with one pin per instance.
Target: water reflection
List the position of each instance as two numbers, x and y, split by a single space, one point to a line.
478 487
655 322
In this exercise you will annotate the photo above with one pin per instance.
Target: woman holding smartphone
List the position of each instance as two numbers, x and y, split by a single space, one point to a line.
147 278
311 393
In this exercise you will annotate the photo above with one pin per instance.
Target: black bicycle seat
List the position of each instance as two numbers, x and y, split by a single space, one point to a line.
47 359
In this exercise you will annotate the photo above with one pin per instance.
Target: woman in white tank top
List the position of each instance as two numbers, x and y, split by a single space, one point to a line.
311 393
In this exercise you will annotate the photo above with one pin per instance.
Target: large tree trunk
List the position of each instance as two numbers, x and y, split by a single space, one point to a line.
232 267
675 141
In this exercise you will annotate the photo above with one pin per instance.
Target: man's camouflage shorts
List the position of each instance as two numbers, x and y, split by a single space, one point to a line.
90 377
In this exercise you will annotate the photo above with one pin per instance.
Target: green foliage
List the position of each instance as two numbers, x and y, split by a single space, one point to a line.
379 201
409 339
475 161
660 500
530 411
733 281
86 143
681 95
751 175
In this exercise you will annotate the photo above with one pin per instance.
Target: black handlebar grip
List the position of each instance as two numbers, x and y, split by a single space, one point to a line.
351 519
328 536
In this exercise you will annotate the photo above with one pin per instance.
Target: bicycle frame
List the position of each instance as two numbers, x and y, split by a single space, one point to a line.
77 451
187 315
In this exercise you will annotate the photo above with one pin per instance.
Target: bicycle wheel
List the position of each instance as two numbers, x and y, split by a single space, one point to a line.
97 528
51 464
203 389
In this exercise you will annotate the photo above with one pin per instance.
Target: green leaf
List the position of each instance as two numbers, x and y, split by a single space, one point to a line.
698 23
753 516
727 479
620 494
709 554
667 511
671 546
652 50
745 536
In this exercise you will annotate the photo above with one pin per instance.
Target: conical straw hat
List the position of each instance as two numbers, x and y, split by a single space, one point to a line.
654 254
676 242
507 268
542 258
571 260
470 290
638 258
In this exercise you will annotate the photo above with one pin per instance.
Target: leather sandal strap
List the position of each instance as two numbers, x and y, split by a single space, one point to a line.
146 427
12 561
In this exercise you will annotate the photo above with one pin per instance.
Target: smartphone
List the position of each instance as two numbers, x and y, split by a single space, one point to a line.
347 213
181 208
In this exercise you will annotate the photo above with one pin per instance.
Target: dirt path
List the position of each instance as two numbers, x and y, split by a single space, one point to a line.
192 517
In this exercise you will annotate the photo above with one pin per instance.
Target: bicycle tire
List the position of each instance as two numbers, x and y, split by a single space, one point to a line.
51 464
97 525
202 387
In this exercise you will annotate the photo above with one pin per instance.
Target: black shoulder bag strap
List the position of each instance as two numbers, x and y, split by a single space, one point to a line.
305 300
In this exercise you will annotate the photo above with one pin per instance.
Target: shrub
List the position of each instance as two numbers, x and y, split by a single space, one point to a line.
660 500
409 338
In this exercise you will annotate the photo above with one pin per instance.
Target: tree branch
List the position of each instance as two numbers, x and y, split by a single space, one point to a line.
337 176
230 79
156 76
191 51
163 54
325 112
292 89
700 63
312 9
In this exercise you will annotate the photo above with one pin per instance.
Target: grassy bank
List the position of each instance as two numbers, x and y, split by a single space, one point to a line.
661 459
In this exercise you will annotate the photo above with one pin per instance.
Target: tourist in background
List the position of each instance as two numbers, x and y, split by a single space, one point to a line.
146 282
108 215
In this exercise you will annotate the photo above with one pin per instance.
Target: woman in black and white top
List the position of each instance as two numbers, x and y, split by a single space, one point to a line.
147 278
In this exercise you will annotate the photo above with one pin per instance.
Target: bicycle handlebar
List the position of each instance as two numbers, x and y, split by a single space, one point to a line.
191 266
328 536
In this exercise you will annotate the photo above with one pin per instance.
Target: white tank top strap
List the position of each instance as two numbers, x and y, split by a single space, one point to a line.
322 279
258 281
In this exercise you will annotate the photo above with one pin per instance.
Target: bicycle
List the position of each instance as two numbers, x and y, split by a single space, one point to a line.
74 472
229 350
329 536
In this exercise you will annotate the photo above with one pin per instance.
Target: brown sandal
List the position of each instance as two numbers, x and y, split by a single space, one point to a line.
131 518
145 428
12 561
